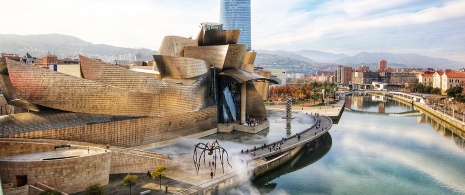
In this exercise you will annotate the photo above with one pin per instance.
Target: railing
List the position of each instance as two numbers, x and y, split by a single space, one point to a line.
443 114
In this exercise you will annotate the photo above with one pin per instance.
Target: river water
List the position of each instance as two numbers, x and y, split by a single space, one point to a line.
366 152
370 152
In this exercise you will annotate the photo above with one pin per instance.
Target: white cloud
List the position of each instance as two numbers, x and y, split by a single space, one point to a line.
291 25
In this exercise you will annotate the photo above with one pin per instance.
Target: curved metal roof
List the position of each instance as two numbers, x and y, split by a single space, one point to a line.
243 76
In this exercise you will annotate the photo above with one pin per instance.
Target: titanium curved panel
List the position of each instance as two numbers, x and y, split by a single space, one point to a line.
180 67
249 57
102 129
3 68
232 36
174 45
262 87
234 56
9 92
64 92
242 76
214 37
117 76
214 55
12 98
254 106
184 97
248 67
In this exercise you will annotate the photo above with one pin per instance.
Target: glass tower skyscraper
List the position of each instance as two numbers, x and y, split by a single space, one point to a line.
235 14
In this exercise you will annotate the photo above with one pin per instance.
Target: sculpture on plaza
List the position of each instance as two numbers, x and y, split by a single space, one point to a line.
209 149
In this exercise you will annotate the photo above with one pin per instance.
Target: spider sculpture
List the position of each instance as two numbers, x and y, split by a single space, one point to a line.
210 149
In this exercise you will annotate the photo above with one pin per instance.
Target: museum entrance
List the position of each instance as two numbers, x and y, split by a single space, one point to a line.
21 180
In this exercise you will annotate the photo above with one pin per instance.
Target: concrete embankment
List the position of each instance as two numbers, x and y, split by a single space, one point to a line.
457 126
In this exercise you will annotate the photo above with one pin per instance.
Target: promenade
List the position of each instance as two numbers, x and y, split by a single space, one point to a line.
183 179
258 159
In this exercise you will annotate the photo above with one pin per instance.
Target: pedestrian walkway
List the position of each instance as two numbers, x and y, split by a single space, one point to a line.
321 126
258 156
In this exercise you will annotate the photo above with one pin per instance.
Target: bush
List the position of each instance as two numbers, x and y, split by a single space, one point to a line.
95 189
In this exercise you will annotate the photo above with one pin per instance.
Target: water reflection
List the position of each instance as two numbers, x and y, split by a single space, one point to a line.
376 103
288 127
444 129
380 154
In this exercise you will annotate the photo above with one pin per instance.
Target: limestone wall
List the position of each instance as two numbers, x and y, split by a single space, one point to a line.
17 191
69 175
16 148
122 162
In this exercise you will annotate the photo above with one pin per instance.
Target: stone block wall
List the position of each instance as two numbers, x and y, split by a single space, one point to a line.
122 162
69 175
16 148
17 191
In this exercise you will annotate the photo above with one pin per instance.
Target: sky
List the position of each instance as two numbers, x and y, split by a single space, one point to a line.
434 28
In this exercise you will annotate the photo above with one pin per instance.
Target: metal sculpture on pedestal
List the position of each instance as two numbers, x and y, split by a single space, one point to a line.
214 147
288 108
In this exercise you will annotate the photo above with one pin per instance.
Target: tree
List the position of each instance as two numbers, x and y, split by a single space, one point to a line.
50 192
454 91
129 181
95 189
315 94
158 173
428 89
435 91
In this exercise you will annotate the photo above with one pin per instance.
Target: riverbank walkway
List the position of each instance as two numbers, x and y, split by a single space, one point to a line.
252 158
183 179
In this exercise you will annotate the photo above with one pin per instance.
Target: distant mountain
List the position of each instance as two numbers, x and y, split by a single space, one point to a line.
407 60
321 56
287 54
64 46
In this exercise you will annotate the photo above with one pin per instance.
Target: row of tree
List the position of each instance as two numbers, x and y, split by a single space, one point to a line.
453 92
311 91
420 88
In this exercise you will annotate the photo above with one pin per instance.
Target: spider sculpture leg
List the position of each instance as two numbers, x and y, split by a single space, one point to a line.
197 159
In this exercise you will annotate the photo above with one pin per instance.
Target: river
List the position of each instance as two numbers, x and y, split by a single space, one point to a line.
370 152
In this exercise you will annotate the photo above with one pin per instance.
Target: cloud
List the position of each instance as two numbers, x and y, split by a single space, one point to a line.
333 25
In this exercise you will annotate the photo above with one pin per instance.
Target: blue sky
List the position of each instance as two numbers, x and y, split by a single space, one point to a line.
433 28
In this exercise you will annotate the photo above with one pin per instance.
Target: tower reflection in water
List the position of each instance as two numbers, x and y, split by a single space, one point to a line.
309 154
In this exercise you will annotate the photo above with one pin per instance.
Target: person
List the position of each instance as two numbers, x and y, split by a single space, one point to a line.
211 174
242 151
209 164
166 189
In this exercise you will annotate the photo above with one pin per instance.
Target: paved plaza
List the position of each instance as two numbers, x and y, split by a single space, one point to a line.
183 179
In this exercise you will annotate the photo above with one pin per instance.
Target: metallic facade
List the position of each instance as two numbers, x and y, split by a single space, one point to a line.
199 85
174 45
249 57
234 56
232 36
180 67
213 55
255 107
235 14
